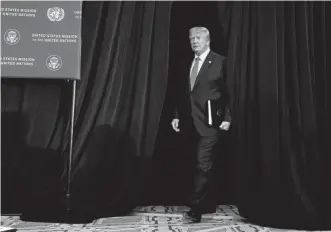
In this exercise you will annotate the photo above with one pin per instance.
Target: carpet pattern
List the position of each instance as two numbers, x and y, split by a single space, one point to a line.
149 219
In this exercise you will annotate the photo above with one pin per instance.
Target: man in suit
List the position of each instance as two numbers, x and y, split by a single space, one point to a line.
204 81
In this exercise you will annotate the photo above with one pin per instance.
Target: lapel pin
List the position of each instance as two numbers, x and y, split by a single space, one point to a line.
209 62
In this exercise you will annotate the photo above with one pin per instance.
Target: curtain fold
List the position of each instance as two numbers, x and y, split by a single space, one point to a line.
278 78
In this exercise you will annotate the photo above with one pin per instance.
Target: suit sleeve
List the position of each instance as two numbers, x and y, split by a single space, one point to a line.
225 93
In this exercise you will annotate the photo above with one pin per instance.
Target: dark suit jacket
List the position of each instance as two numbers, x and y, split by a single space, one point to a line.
190 105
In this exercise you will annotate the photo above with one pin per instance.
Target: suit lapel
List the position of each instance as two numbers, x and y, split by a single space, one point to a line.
208 61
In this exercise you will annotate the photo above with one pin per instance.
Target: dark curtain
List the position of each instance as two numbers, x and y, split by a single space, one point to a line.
120 103
279 59
118 107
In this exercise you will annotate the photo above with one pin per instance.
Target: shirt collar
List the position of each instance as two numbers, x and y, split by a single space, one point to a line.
203 55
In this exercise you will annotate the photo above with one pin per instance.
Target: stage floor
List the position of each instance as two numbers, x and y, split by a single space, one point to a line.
149 219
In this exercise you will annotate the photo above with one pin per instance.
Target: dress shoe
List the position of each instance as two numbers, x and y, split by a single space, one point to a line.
192 217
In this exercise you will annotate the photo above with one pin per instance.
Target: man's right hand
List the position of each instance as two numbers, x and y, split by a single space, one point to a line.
175 124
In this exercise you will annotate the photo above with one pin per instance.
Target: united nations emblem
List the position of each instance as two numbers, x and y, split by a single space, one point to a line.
12 36
55 14
53 62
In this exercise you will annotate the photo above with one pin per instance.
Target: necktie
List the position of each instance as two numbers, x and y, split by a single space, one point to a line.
194 72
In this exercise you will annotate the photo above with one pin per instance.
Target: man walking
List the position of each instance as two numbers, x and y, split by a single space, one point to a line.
205 84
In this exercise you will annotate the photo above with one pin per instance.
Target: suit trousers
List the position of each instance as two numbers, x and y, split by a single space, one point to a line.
202 196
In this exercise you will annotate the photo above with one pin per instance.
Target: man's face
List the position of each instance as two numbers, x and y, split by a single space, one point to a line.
199 42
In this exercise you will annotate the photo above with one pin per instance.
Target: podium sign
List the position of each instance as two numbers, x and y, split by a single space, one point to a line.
41 39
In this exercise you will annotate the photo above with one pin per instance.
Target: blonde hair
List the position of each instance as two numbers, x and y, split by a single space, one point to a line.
204 30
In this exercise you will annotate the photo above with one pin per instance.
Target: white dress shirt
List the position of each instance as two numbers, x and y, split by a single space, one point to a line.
202 59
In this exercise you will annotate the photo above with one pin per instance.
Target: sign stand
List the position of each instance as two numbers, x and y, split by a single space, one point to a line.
72 121
71 216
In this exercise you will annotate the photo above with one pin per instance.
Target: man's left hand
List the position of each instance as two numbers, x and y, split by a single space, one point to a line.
225 126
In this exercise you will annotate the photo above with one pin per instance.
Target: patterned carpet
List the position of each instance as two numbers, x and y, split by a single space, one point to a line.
148 219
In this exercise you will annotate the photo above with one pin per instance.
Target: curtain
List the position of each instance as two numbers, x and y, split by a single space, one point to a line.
119 102
121 105
279 82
